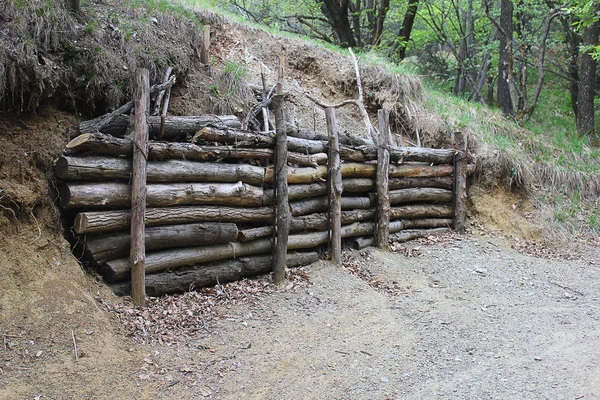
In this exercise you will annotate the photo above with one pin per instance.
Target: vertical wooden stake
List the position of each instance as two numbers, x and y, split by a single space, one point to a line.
335 188
282 209
205 48
382 234
137 256
460 183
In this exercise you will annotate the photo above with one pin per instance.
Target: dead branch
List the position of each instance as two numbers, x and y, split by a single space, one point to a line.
94 125
371 130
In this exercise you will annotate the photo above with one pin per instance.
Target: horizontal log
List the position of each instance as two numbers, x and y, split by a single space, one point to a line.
358 170
106 221
108 168
344 138
427 223
419 171
114 245
175 126
421 211
413 195
362 242
101 144
305 240
213 273
240 137
407 235
300 175
358 185
398 154
114 195
118 270
442 182
319 221
320 204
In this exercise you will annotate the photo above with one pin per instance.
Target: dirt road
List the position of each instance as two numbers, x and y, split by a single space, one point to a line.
474 320
458 319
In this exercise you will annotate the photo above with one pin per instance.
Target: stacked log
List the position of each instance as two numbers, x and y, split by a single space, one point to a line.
210 203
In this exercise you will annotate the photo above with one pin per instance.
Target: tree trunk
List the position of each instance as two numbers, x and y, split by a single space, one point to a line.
505 58
337 12
407 25
213 273
587 81
114 195
106 221
175 127
413 195
115 245
101 144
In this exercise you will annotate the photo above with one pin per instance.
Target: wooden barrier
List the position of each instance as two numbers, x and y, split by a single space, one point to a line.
210 212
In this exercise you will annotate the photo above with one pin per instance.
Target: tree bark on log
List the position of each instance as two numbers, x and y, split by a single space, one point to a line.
345 139
460 184
420 171
443 182
102 168
421 211
407 235
412 195
115 245
305 240
240 137
320 204
116 195
382 233
362 242
106 221
300 175
358 185
101 144
137 255
213 273
175 126
427 223
282 208
319 222
335 188
118 270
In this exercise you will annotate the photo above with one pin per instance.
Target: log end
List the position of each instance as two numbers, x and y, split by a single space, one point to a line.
78 141
81 224
61 167
65 196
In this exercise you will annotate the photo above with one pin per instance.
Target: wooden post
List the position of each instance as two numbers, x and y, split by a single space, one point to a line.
137 255
335 188
75 5
460 183
382 234
282 209
205 48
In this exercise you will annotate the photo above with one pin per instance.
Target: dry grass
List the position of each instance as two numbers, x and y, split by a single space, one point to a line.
84 62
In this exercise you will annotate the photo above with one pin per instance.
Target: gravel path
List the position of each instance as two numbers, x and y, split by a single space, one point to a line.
470 319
